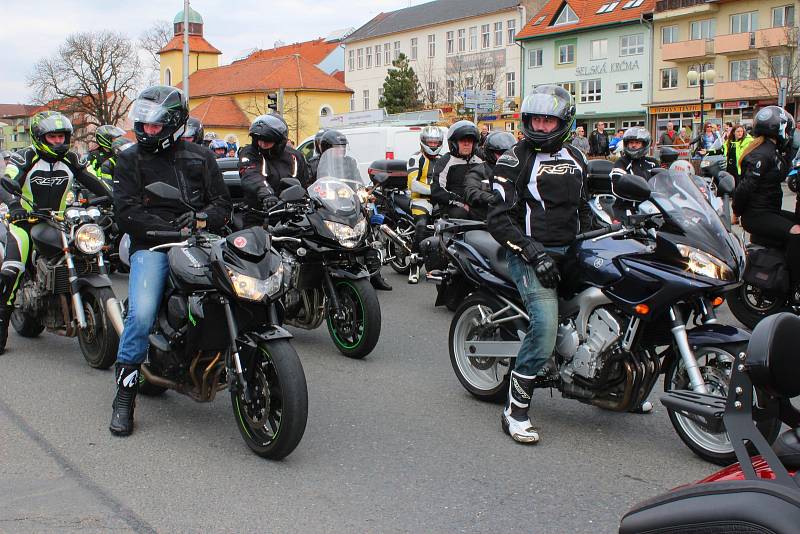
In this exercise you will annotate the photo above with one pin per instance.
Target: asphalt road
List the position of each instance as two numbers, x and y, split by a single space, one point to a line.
393 444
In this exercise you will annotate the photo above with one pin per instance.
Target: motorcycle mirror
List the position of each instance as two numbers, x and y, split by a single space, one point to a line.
630 187
725 183
163 190
290 182
11 186
293 193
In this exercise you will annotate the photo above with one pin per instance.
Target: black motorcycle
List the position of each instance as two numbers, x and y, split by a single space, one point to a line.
217 327
637 300
390 213
67 291
323 239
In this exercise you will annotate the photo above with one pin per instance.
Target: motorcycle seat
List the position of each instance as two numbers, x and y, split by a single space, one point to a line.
491 250
787 447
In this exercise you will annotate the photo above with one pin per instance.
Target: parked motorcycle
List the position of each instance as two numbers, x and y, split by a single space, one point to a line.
323 239
759 494
217 328
625 305
68 291
391 213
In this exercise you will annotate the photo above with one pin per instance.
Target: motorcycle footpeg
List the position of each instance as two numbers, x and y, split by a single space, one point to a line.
436 275
160 342
706 410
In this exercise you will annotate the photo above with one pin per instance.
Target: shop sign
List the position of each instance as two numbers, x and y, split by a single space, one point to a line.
510 116
487 117
606 67
679 109
736 104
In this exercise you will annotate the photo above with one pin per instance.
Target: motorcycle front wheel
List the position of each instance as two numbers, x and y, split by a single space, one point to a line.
357 328
716 364
98 341
274 421
749 304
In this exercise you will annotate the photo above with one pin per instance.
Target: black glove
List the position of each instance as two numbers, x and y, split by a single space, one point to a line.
16 212
185 221
546 270
268 203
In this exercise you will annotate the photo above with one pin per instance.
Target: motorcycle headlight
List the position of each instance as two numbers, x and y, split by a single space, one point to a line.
348 236
251 288
704 264
90 239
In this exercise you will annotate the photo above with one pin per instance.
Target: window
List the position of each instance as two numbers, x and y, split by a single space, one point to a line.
631 124
369 57
469 83
360 58
511 27
450 86
744 22
473 38
779 65
511 84
622 87
380 93
413 48
366 99
669 34
431 92
168 77
703 29
486 36
706 67
498 34
608 8
325 111
782 16
636 86
590 90
353 102
396 50
569 87
387 54
599 49
669 78
488 82
462 40
378 55
746 69
631 45
450 43
432 45
566 54
535 57
567 16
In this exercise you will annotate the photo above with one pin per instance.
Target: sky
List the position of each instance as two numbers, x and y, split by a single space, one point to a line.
233 26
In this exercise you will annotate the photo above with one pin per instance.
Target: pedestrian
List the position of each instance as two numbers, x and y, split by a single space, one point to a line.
705 142
598 141
580 141
669 136
520 135
613 143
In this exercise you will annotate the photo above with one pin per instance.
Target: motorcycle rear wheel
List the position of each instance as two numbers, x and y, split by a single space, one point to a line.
98 341
274 422
26 325
749 305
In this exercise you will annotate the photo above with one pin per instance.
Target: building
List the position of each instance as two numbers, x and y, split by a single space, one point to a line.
748 44
14 125
227 98
452 45
327 53
600 51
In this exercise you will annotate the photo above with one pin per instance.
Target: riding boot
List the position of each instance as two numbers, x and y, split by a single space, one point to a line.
413 273
5 319
379 282
127 379
515 420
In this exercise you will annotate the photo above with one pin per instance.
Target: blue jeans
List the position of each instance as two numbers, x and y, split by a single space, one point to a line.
541 303
149 271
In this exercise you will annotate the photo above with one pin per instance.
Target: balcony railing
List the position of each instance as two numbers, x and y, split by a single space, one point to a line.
687 50
743 89
667 5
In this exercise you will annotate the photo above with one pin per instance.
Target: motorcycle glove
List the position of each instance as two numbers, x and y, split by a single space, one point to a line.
546 270
268 203
185 221
17 213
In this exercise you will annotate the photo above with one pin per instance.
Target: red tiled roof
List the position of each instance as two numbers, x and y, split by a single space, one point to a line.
586 10
339 75
312 51
220 111
288 73
17 110
197 43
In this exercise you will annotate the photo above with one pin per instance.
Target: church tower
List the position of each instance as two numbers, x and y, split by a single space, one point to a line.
202 55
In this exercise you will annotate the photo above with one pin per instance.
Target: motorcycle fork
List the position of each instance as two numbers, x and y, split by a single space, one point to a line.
678 327
331 291
77 301
234 352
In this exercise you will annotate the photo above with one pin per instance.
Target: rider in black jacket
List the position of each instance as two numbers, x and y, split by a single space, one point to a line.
478 181
447 185
159 116
635 144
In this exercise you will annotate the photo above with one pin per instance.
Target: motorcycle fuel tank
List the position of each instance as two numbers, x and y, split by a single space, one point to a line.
593 261
189 266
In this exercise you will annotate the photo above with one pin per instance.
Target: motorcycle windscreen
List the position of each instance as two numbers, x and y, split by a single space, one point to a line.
335 196
335 163
688 213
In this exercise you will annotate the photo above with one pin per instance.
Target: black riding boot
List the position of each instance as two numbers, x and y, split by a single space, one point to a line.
379 282
5 319
127 379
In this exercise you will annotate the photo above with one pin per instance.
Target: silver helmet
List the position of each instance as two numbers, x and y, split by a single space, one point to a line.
431 140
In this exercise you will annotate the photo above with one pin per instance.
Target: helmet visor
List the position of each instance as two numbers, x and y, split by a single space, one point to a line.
149 112
55 123
546 104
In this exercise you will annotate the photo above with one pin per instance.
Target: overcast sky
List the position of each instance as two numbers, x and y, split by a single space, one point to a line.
36 28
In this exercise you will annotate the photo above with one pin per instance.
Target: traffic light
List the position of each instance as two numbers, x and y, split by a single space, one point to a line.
273 101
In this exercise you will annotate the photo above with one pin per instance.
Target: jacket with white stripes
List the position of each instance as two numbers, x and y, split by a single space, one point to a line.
542 199
447 184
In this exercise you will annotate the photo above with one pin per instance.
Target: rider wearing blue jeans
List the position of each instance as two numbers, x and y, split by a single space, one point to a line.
159 115
541 205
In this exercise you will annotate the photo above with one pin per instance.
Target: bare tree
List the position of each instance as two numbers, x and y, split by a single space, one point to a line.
479 72
781 65
294 111
151 41
91 78
432 85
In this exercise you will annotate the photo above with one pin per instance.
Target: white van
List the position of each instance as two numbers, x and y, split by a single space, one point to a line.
369 143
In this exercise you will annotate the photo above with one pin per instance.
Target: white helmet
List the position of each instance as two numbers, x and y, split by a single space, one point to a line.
431 140
682 165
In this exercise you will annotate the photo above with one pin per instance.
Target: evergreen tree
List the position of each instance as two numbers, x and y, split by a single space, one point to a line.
400 90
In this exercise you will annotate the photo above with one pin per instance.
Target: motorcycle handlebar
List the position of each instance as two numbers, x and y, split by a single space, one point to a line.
597 233
164 234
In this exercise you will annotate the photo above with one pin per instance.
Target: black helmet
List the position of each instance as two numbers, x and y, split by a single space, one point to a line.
667 155
162 105
462 130
330 139
270 128
431 135
194 129
317 137
548 101
776 123
50 122
636 133
105 135
496 144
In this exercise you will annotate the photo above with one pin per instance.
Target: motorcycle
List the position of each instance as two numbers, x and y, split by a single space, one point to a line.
217 328
323 238
67 291
758 494
625 304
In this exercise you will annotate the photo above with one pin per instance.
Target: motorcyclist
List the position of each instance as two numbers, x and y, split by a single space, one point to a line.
194 132
634 160
478 182
267 160
447 186
219 148
5 159
758 197
208 137
45 172
104 136
313 161
159 116
420 176
541 205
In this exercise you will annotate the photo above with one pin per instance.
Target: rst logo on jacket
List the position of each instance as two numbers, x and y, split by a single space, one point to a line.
560 168
55 178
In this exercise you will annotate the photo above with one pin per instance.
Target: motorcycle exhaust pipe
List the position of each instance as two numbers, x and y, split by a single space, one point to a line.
391 234
159 381
114 312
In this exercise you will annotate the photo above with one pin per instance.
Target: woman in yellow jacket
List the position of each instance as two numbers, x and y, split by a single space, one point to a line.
734 148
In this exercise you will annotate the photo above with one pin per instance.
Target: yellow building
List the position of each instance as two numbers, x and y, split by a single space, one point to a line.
744 42
226 99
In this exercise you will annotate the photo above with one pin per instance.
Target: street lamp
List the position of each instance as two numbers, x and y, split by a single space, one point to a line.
702 76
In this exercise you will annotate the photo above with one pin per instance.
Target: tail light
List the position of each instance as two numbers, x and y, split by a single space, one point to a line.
390 155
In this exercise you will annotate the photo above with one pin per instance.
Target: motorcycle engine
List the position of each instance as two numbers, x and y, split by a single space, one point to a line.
585 359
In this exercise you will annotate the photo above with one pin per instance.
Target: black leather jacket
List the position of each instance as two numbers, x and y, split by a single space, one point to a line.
261 177
759 189
187 166
640 167
447 182
478 190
